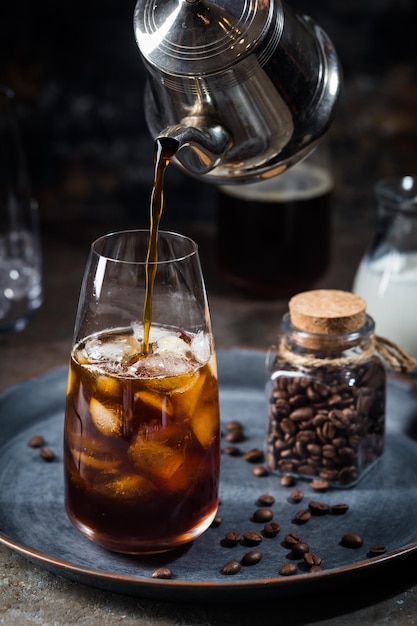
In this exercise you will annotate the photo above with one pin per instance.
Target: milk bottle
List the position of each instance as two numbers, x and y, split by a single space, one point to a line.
387 275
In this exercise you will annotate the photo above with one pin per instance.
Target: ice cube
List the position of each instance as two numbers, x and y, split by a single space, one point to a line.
158 365
205 425
156 401
96 351
185 403
155 459
107 386
212 363
91 446
127 486
181 480
155 332
71 380
107 420
172 343
88 460
112 349
167 375
201 347
137 329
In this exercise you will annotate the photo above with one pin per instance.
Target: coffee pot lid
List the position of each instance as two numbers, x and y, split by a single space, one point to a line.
200 37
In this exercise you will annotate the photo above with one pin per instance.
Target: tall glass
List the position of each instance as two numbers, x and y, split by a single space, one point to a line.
142 427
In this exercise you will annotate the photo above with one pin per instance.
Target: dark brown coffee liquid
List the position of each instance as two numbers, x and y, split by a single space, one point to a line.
273 247
164 150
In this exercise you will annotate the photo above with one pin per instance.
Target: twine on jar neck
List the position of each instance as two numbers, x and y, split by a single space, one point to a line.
395 357
311 360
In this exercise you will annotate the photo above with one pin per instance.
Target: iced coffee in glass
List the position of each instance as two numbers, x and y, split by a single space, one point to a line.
142 432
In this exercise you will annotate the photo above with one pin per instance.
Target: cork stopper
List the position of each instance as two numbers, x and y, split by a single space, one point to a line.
327 311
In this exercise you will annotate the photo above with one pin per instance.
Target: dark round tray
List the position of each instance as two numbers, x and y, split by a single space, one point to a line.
382 507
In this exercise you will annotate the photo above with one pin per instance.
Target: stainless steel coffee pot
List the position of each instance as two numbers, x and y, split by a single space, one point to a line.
246 87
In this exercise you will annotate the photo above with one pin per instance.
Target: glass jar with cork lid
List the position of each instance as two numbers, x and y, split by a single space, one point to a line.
326 390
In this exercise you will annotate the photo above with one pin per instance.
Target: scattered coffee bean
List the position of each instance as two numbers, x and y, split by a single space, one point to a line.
291 539
162 572
266 500
318 508
311 559
216 522
47 454
234 436
296 495
319 484
288 569
235 432
315 568
252 538
262 515
377 550
302 516
260 471
37 441
233 425
351 540
254 456
231 568
232 451
251 558
231 539
287 481
299 549
272 529
339 509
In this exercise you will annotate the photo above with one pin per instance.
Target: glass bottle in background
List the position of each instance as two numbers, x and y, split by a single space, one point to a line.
274 236
387 274
20 247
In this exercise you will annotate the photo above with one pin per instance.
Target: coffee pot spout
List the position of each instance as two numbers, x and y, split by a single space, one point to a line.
201 145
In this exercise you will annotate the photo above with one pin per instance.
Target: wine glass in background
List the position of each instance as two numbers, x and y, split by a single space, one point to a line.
20 247
142 426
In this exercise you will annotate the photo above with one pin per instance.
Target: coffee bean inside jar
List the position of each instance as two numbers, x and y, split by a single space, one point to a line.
327 389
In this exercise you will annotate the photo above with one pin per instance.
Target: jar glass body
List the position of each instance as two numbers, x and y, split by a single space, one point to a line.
326 411
387 274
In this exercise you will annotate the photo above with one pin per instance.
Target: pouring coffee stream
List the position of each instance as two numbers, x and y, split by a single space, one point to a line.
246 88
164 151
